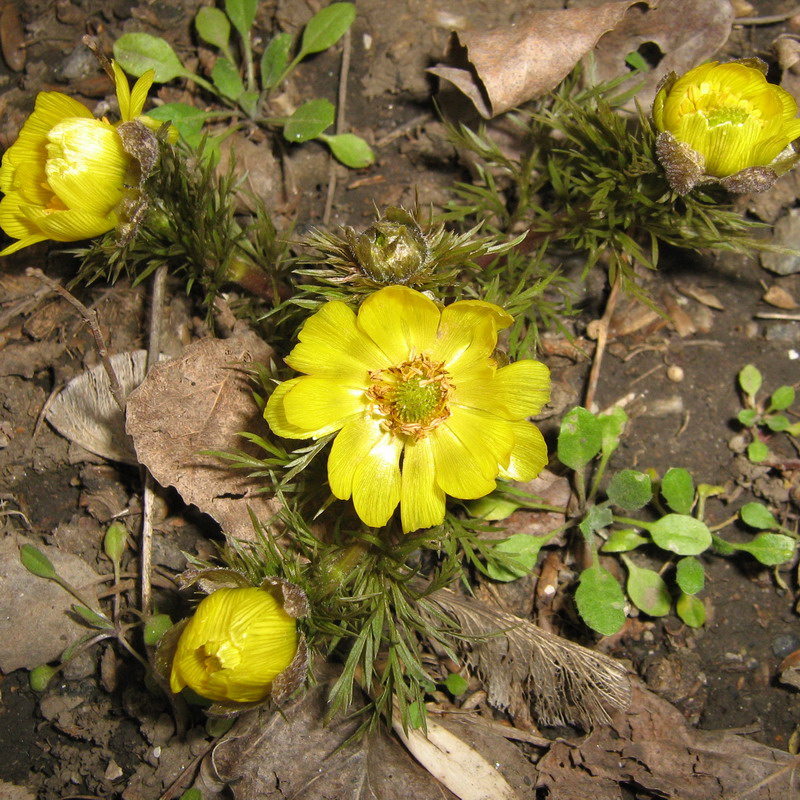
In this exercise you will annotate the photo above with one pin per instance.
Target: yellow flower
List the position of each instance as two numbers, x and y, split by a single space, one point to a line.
407 381
235 645
66 175
729 118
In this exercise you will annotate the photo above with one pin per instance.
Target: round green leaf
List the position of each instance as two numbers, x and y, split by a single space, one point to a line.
326 27
750 380
690 575
521 551
647 590
681 534
623 541
757 451
138 52
35 561
630 489
677 487
309 121
492 508
41 676
579 439
777 422
155 627
115 541
757 515
691 610
612 425
782 398
770 549
600 601
351 150
275 59
456 684
242 14
213 26
227 79
748 417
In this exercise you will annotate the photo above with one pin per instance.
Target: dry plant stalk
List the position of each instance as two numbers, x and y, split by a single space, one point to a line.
565 682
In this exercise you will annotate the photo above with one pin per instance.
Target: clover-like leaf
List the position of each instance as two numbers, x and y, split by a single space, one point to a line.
213 26
350 149
757 515
600 600
326 27
647 590
623 541
677 487
630 489
691 610
309 121
521 551
138 52
690 575
769 549
580 438
750 380
681 534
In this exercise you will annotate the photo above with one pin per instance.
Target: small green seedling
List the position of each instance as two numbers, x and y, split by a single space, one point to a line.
762 417
673 529
238 85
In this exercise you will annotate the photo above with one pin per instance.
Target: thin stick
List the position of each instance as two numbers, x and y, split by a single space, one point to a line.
602 338
774 19
344 71
90 316
153 351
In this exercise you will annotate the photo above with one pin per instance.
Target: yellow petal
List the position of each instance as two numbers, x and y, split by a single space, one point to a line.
466 340
401 321
358 436
376 482
421 500
487 437
27 241
321 405
87 165
331 346
529 456
71 226
458 472
123 91
275 414
515 392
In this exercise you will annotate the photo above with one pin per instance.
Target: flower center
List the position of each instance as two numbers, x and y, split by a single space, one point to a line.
411 396
725 116
214 656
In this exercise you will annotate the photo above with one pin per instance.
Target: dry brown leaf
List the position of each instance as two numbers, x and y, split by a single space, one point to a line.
297 754
201 401
653 748
502 68
702 296
687 32
520 663
12 37
778 296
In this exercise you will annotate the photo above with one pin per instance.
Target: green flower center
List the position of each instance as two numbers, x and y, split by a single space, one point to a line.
412 396
727 116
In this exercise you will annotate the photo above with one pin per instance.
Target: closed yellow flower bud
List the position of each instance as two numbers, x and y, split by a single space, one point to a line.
67 174
725 122
235 645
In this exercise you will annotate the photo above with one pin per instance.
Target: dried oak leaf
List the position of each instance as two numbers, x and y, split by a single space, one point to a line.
201 401
652 747
295 753
502 68
685 32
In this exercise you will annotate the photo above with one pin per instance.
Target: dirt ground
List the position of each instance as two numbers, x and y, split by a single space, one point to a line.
98 731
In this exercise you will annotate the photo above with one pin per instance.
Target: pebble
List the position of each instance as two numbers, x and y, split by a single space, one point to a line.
785 644
675 373
783 331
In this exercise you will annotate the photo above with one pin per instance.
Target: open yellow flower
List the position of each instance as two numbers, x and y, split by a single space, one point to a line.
421 407
235 645
66 175
727 118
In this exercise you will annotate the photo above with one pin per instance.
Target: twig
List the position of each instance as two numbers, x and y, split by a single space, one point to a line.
602 338
769 315
774 19
153 351
90 316
344 72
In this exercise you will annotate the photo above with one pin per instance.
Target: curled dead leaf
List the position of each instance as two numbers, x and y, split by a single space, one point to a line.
197 402
504 67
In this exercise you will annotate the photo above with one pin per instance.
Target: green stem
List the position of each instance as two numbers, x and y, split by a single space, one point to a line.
580 485
636 523
248 60
598 474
